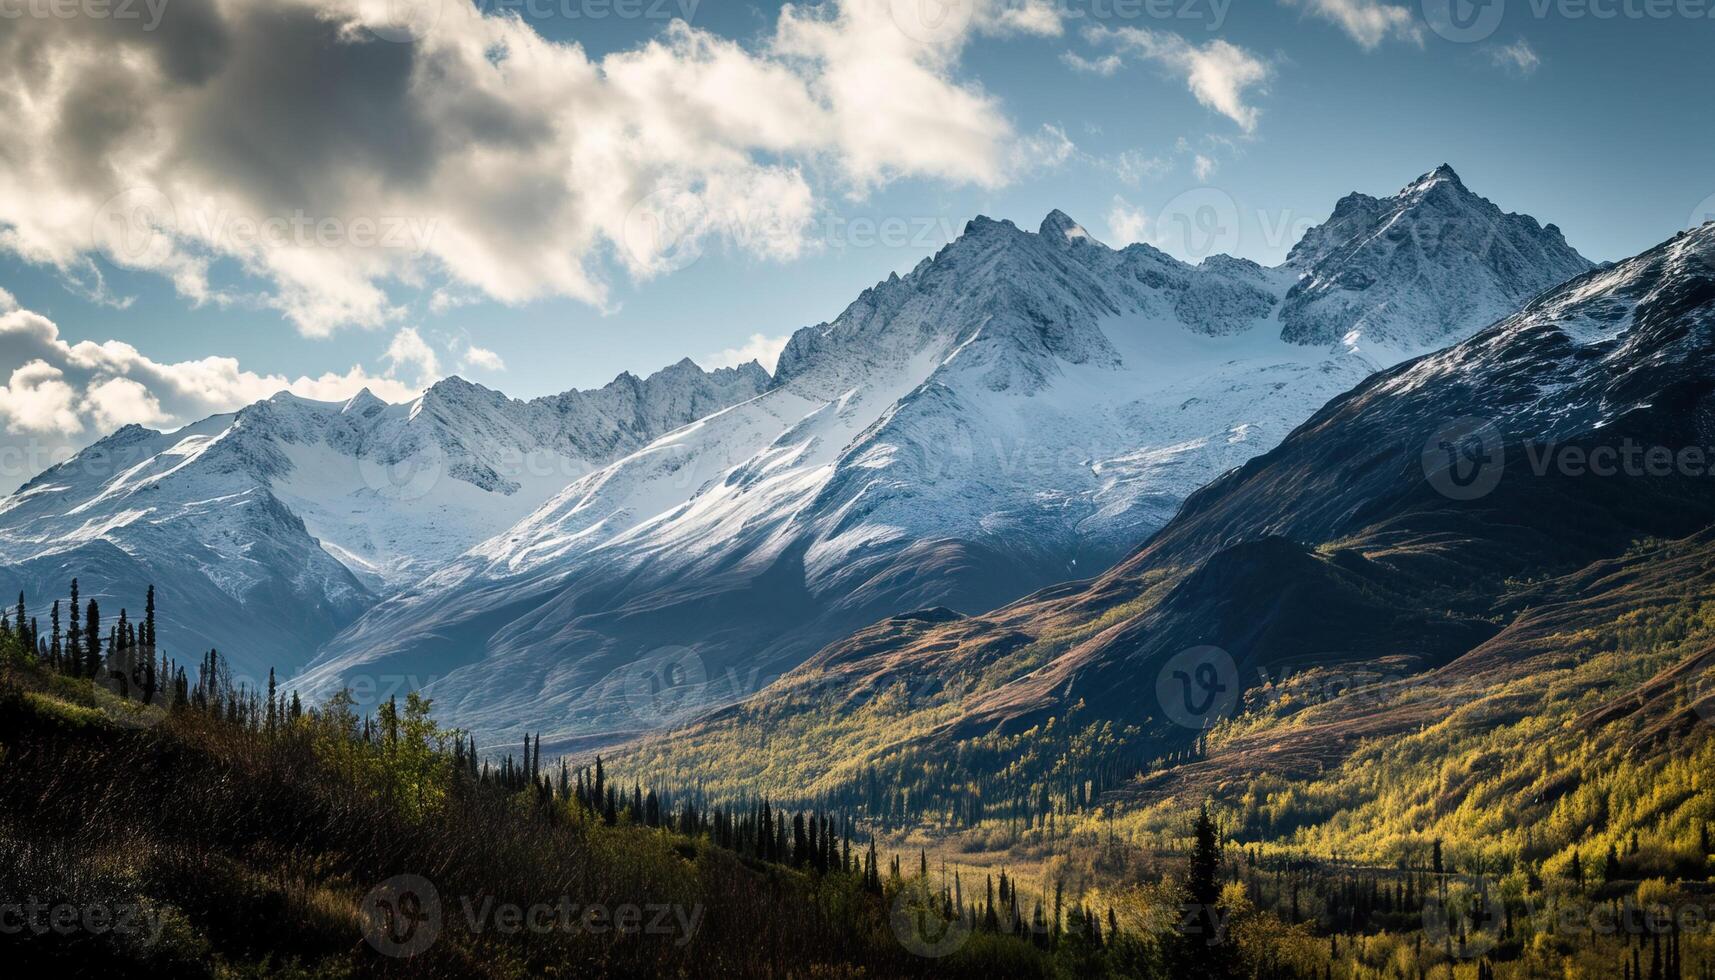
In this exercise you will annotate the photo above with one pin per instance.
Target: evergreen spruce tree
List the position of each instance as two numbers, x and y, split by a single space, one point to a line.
75 662
55 651
1205 947
147 650
119 652
92 636
1059 905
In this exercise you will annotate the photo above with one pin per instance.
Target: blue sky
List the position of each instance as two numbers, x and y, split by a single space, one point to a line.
1601 126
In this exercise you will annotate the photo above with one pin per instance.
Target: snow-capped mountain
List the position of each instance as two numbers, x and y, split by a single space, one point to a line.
1418 268
268 529
1021 409
1445 529
1417 515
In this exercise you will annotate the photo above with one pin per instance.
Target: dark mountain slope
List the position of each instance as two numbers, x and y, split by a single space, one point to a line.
1449 523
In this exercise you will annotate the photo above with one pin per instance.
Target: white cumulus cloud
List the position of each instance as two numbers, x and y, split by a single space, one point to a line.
1368 22
1106 66
1220 74
1127 225
1042 18
62 396
483 359
410 350
336 168
37 399
760 348
1518 57
121 401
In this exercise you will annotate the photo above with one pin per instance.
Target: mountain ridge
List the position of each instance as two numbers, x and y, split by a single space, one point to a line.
1017 407
1341 558
351 499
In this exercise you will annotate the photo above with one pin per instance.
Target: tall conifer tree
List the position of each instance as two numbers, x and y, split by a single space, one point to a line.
92 637
75 662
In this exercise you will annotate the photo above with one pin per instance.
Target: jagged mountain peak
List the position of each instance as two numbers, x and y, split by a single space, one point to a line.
453 382
127 435
1058 228
1443 174
983 224
751 369
1384 277
1411 272
363 403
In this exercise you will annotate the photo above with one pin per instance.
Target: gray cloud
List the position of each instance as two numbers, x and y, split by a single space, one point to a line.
276 135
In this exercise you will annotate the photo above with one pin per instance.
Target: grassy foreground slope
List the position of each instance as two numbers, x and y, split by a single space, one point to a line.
177 843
